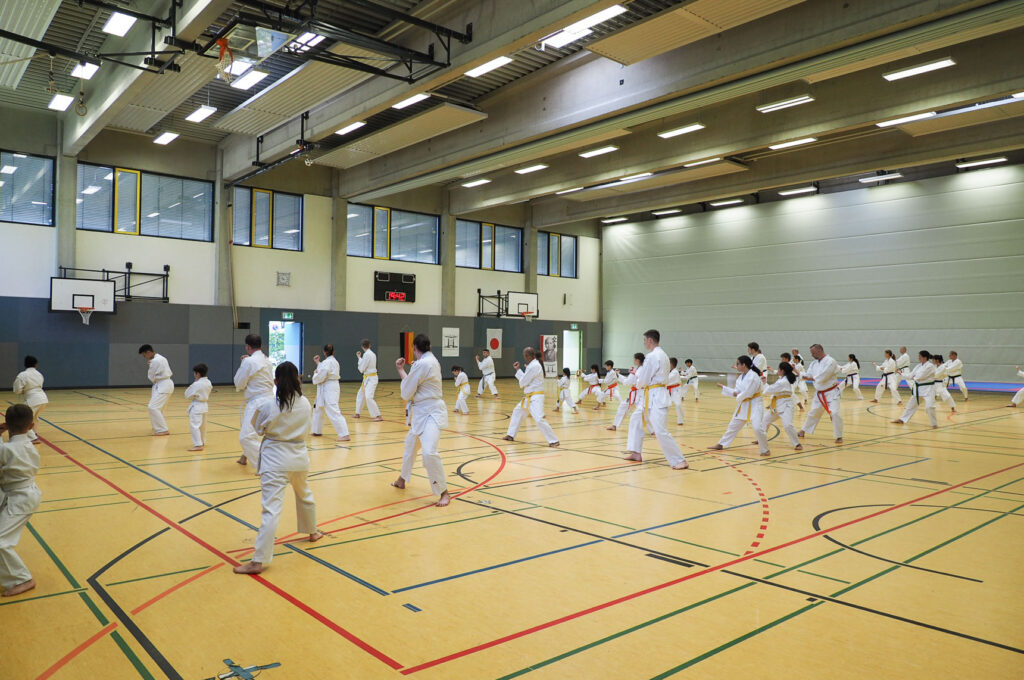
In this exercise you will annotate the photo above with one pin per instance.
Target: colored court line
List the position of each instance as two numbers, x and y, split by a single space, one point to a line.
667 584
178 586
63 661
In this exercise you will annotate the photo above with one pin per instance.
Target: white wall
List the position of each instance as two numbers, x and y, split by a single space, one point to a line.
576 299
255 269
936 264
27 259
467 281
359 288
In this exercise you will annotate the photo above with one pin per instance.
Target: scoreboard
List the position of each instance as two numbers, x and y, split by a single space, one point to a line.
393 287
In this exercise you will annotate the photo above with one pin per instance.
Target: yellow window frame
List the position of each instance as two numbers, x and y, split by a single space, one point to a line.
252 219
493 245
138 199
373 234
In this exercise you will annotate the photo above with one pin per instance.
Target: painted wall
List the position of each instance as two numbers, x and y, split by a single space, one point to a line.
28 259
359 291
936 264
578 298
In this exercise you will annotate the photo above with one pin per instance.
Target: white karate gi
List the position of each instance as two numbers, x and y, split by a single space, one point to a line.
610 384
593 381
328 393
19 498
954 375
255 376
890 379
461 392
160 375
564 396
749 408
421 387
199 394
940 392
368 367
923 383
760 362
675 394
283 461
29 384
1019 396
781 407
532 382
487 380
652 408
851 378
630 400
825 373
690 379
903 370
801 384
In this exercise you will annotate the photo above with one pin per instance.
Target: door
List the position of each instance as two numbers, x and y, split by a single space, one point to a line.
572 349
285 342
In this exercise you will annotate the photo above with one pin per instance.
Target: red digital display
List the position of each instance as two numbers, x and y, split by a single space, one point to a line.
395 296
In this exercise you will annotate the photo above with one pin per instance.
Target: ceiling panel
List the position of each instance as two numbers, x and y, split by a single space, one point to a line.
163 93
29 18
961 120
664 179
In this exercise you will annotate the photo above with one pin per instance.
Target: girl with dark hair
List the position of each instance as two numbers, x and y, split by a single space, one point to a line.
851 373
781 407
593 380
284 422
630 382
564 397
749 408
327 378
29 384
922 383
890 379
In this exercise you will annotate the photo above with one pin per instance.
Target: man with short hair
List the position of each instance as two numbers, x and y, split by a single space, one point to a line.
825 372
160 375
256 377
652 406
955 373
903 368
368 367
531 379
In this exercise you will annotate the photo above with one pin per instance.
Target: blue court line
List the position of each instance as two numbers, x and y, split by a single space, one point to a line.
379 591
412 607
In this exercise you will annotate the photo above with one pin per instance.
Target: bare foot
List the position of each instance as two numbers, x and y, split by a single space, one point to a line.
242 461
682 466
899 403
801 434
249 568
496 396
378 419
398 483
508 438
716 447
346 438
966 399
554 445
597 407
839 441
766 453
196 448
576 411
36 441
935 427
612 428
1011 405
20 588
444 500
798 447
356 416
317 434
897 422
161 434
313 538
477 395
874 401
635 457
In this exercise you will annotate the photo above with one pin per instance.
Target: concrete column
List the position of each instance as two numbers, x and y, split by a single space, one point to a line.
66 177
447 258
223 233
530 237
339 245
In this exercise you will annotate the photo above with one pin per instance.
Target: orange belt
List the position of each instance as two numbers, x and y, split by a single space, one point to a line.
820 394
611 387
632 395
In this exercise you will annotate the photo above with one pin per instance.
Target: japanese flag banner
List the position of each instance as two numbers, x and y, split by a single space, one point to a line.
494 342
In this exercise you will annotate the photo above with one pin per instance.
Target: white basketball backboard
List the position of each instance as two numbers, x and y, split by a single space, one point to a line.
69 295
522 303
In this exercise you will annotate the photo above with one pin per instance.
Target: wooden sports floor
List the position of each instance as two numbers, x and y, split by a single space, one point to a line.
896 555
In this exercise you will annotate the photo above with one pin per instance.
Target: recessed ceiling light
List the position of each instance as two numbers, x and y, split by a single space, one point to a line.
118 24
415 99
239 66
476 183
488 67
89 190
1018 95
581 29
905 119
531 168
599 151
201 114
671 211
613 220
692 127
84 71
731 201
249 79
795 142
166 138
350 127
60 102
306 41
984 161
921 68
568 191
800 190
8 169
703 162
881 178
633 178
785 103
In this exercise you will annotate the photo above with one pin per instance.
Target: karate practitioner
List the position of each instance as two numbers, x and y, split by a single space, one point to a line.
160 375
421 387
1017 398
954 373
531 379
593 380
255 376
486 366
630 401
461 389
652 406
759 359
890 378
283 460
941 393
19 497
851 376
673 384
825 372
801 384
690 379
198 394
327 378
610 383
29 384
922 381
903 368
368 367
749 405
564 396
781 393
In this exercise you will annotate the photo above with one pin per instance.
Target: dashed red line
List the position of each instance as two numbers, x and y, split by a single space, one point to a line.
756 543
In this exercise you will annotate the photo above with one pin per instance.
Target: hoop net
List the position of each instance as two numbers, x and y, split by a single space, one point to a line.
528 316
86 312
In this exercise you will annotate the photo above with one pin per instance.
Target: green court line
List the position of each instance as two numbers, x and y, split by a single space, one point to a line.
830 578
136 661
49 551
146 578
40 597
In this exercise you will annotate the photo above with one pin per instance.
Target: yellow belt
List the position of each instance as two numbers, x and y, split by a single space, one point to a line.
647 403
747 400
365 376
464 387
526 398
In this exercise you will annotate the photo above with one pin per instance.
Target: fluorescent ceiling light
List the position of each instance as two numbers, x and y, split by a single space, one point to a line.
415 99
201 114
581 28
568 191
305 41
917 70
795 142
152 214
984 161
90 190
801 190
488 67
350 127
785 103
476 183
8 169
60 102
613 220
598 152
632 178
692 127
531 168
881 178
1019 95
118 24
731 201
85 71
166 138
672 211
703 162
249 79
563 38
905 119
239 66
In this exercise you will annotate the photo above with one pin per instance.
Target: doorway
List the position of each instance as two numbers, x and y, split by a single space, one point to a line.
285 342
572 348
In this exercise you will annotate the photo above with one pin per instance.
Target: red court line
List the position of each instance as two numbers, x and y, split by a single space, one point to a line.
184 583
77 650
764 504
708 570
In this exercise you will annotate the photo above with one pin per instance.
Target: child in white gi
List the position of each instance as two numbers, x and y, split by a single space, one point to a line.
531 380
19 497
486 366
593 380
941 393
368 367
160 375
890 379
690 379
461 389
851 376
922 381
29 384
610 384
796 362
674 385
1017 398
781 406
631 399
327 379
564 397
749 408
199 394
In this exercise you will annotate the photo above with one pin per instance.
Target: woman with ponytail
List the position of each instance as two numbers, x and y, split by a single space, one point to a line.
851 376
781 407
748 400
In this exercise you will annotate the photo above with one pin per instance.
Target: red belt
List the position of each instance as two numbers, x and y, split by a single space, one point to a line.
632 395
672 387
820 394
611 387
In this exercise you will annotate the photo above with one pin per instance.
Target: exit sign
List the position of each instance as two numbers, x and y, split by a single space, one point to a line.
287 316
574 326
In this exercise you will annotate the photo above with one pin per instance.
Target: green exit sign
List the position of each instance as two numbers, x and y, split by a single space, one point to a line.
287 316
574 326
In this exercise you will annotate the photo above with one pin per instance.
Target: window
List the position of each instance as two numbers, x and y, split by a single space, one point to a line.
26 189
387 234
487 246
127 201
266 219
556 255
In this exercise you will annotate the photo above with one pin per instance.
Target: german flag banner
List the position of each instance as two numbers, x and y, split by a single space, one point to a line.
405 346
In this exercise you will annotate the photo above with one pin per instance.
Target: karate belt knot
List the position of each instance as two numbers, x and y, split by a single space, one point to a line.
849 379
611 387
632 395
526 398
820 394
749 399
672 387
365 376
647 403
916 385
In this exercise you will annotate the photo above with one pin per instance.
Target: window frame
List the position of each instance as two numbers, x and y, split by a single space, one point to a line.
252 217
546 235
494 247
53 188
373 234
270 222
138 201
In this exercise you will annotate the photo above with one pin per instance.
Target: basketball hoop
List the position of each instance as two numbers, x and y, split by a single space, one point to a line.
86 312
528 316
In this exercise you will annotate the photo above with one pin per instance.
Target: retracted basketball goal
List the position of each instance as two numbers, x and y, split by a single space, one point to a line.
514 304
